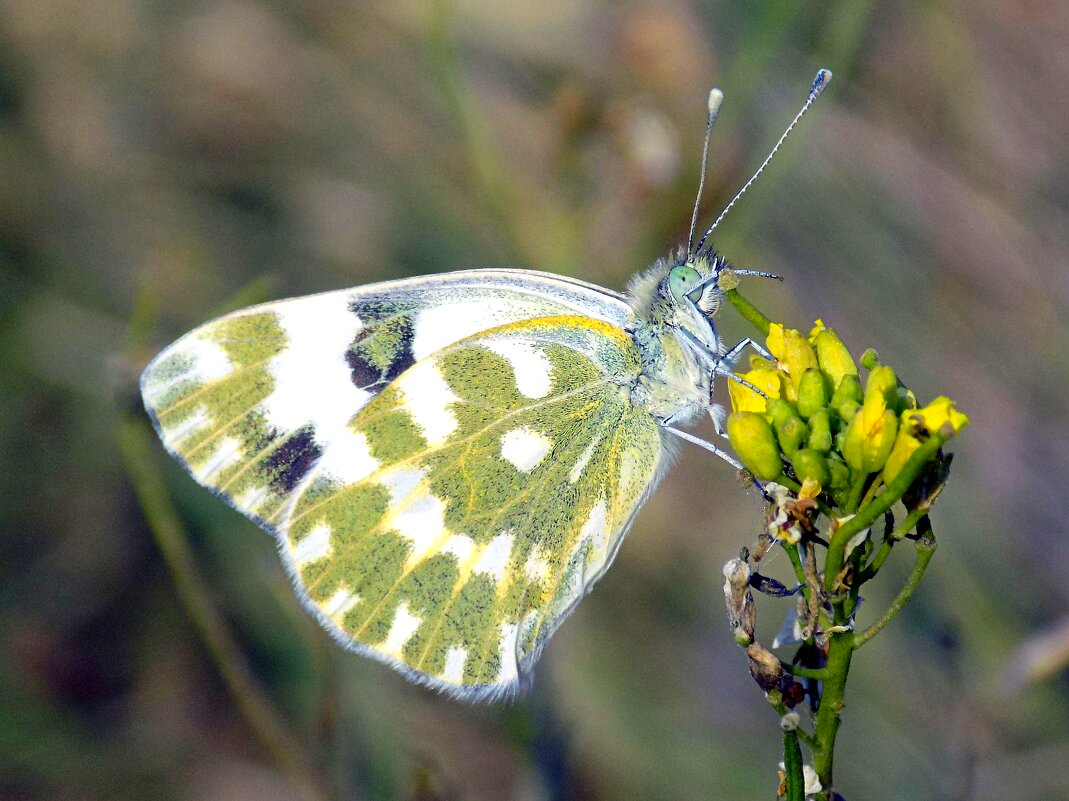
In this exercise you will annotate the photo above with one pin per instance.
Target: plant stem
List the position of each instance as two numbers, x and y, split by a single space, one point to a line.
840 652
889 541
820 674
162 518
925 551
880 504
792 766
749 311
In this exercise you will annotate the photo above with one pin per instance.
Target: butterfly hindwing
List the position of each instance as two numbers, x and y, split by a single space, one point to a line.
251 402
469 505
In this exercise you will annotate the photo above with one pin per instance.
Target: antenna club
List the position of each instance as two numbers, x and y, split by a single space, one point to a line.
716 97
820 82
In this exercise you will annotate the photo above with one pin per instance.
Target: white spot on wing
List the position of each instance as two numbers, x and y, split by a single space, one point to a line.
340 602
251 498
422 522
584 458
460 545
537 567
509 670
347 457
209 363
427 397
524 448
443 325
495 556
400 483
530 364
595 529
401 630
313 546
191 424
226 452
313 382
455 658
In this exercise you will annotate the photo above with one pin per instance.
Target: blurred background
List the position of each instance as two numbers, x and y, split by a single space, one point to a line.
161 162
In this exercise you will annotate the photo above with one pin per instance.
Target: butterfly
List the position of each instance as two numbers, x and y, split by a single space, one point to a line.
449 463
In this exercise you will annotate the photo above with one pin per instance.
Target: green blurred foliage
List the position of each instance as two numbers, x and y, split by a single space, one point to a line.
161 161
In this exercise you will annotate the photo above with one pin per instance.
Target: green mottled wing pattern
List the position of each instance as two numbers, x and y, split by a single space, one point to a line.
250 402
471 503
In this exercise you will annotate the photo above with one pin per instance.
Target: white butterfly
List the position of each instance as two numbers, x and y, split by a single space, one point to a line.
449 463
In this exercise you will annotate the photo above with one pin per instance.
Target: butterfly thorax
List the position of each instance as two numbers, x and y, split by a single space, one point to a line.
673 385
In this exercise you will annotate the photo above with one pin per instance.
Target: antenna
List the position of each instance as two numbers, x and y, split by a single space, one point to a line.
716 97
820 82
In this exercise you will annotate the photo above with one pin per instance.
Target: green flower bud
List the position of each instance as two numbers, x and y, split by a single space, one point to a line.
870 436
840 473
813 393
869 359
751 436
809 463
780 409
820 431
833 357
849 389
793 434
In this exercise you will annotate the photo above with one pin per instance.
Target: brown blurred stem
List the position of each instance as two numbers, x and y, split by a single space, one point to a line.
266 723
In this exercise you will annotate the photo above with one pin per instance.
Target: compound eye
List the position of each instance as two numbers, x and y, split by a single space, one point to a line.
681 282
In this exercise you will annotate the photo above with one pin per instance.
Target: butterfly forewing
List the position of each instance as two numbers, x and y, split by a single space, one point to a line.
472 502
251 402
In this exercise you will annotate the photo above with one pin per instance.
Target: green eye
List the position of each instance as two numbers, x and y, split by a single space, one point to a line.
681 281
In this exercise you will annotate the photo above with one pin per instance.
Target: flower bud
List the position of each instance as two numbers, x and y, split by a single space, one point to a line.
882 381
811 464
870 358
847 397
870 436
840 473
813 393
792 434
832 355
780 410
751 436
820 431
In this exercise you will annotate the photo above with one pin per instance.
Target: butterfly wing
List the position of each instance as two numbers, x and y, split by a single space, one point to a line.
249 402
470 504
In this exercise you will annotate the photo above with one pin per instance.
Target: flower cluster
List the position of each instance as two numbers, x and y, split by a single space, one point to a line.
815 420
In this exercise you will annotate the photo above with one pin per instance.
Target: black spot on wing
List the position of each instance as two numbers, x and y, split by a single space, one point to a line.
364 373
292 460
382 349
403 358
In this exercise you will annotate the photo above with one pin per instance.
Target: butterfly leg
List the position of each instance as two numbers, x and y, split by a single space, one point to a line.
701 443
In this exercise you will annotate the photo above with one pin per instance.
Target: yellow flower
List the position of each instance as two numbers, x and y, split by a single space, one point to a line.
834 359
870 435
938 416
793 353
766 379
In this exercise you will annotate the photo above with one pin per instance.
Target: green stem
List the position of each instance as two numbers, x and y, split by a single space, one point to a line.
916 464
889 541
799 569
840 652
820 674
163 521
925 551
792 766
749 311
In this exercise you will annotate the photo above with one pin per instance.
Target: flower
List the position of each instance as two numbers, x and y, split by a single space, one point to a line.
763 376
917 424
794 355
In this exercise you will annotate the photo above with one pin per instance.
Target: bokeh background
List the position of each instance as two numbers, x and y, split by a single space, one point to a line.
163 161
